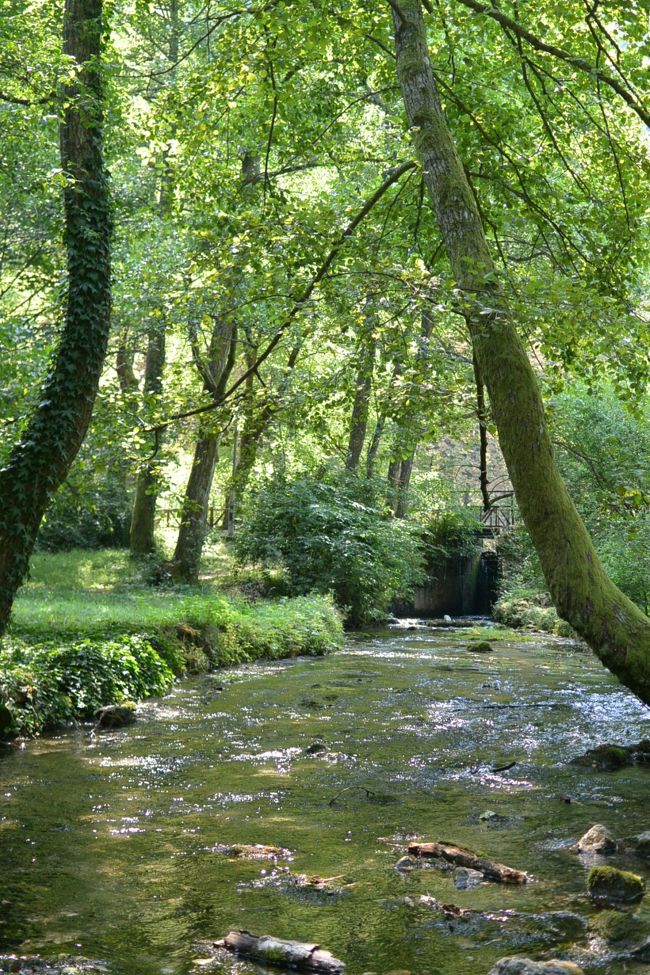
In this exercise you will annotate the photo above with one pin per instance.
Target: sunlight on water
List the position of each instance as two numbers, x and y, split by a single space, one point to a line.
117 846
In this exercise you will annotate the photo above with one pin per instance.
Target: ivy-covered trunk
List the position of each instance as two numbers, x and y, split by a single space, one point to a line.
583 594
40 461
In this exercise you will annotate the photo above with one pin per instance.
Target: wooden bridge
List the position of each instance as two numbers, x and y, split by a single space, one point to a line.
501 516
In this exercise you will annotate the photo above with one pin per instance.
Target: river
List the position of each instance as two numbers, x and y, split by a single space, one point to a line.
112 843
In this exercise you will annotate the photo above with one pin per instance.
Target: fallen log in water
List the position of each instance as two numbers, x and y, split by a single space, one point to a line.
277 951
465 858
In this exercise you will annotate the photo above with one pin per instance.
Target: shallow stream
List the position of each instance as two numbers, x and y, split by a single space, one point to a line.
110 843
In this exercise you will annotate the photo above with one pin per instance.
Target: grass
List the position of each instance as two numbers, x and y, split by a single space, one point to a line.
87 631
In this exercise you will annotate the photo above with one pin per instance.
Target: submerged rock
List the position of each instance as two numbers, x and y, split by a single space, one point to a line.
598 839
35 965
517 929
525 966
639 845
607 885
311 889
481 647
615 927
465 878
254 851
115 715
609 758
316 748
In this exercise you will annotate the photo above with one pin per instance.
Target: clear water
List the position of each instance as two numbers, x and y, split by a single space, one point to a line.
107 843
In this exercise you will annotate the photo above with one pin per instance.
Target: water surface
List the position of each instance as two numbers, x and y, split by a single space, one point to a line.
110 843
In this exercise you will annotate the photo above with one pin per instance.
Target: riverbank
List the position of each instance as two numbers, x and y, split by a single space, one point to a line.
87 632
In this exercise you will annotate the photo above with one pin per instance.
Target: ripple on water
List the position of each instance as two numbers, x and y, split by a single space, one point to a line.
412 743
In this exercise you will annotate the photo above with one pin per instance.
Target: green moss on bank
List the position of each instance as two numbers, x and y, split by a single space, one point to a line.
70 653
519 612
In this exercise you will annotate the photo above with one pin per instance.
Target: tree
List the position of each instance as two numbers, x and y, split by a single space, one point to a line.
40 460
583 594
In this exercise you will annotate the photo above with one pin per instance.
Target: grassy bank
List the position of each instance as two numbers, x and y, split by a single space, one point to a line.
87 632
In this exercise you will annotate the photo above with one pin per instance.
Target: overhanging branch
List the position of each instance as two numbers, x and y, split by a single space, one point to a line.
582 64
393 176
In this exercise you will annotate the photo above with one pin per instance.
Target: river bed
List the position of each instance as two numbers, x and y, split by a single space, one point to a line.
112 844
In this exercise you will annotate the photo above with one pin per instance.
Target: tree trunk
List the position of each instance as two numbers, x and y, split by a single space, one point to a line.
196 503
143 517
40 462
583 594
141 537
403 484
363 389
481 413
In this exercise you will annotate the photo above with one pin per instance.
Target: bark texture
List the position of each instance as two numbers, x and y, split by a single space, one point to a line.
143 516
215 371
362 390
583 594
40 462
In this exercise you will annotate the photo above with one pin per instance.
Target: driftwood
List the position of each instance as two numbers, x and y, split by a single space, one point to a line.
465 858
286 954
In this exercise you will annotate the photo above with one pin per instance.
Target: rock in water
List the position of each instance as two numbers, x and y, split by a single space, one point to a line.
598 839
640 845
277 951
115 715
524 966
464 878
481 647
607 885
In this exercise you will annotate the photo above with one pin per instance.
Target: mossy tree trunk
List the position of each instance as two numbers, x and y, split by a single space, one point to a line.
40 461
583 594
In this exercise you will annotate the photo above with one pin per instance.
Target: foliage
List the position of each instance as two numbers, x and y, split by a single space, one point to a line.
88 632
87 514
452 532
45 684
330 535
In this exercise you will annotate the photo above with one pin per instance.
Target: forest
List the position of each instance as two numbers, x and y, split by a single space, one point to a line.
324 486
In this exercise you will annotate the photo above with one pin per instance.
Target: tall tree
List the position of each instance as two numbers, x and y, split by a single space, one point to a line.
583 594
215 370
41 459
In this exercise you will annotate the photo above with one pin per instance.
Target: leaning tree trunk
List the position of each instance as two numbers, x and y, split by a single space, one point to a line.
40 462
583 594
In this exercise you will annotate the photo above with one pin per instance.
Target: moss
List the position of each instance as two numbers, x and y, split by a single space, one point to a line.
604 758
613 886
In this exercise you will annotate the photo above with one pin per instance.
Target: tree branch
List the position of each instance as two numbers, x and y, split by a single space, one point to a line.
393 176
576 62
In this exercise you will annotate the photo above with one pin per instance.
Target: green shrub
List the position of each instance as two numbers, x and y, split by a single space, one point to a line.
332 536
47 684
453 532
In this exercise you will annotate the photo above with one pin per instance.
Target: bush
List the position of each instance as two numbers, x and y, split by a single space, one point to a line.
47 684
331 535
454 532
